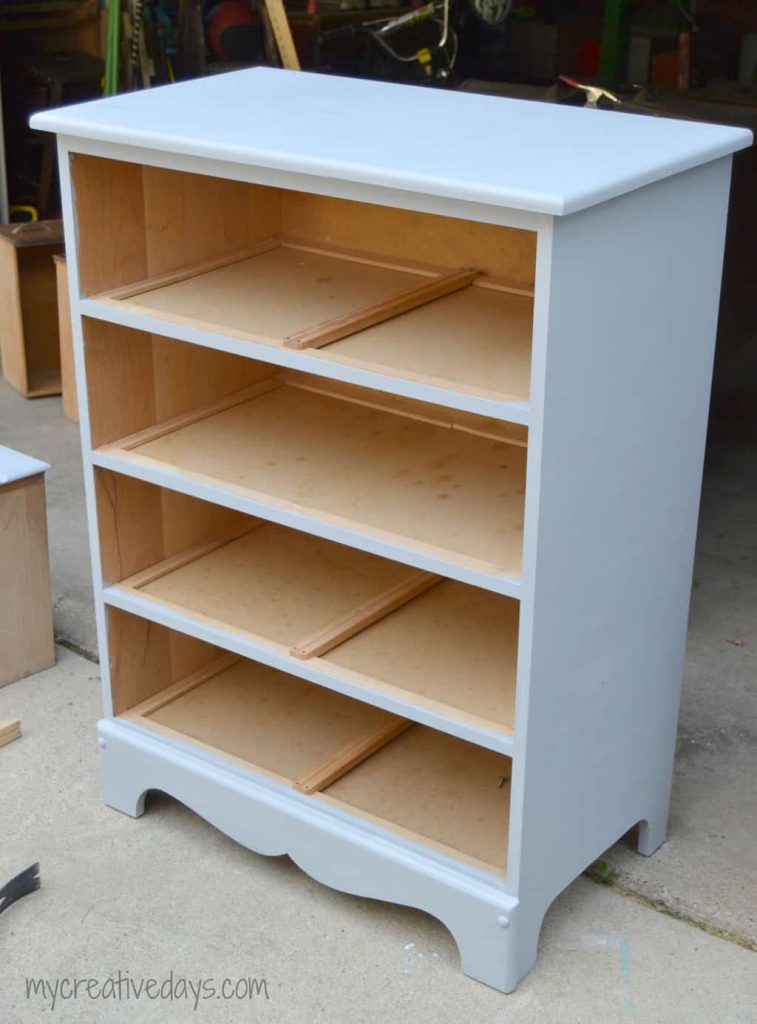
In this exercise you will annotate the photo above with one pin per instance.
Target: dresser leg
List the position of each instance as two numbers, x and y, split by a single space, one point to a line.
653 831
120 789
496 949
124 799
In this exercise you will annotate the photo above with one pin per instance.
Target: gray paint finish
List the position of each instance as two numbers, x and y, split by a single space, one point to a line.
622 353
629 342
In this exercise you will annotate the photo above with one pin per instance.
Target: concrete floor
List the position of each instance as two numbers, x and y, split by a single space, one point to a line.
168 893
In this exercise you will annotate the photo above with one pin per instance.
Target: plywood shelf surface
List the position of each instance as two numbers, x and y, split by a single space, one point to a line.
455 646
446 792
451 649
476 338
436 787
270 295
442 491
280 724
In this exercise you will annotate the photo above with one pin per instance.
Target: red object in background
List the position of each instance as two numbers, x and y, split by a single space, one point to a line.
665 68
588 58
233 31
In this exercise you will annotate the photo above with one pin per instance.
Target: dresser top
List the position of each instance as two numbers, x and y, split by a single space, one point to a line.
537 157
17 466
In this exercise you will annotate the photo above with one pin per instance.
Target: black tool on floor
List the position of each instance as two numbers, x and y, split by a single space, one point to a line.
21 885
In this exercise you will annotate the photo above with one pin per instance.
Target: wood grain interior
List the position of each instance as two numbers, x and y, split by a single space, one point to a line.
432 788
65 330
164 219
449 485
448 492
135 221
476 339
508 253
348 257
141 525
147 659
110 222
140 659
191 217
135 380
451 649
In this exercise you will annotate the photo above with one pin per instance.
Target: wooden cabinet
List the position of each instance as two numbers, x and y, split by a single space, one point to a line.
26 608
393 455
28 307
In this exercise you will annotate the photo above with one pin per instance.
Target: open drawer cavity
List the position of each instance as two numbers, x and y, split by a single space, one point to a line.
434 649
443 489
433 300
429 787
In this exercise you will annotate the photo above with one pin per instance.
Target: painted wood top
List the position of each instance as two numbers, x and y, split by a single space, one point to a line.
529 156
17 466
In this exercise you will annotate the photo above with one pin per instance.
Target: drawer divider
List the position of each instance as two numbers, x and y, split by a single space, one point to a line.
359 319
364 615
350 755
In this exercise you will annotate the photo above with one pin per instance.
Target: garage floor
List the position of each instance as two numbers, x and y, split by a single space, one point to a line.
667 939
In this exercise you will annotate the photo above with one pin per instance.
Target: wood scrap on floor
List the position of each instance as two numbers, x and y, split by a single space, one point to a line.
9 731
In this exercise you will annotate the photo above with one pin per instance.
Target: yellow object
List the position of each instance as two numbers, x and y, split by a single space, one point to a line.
424 59
31 210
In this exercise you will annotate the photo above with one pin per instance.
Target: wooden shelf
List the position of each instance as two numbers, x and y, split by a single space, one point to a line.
450 650
477 340
451 493
453 648
452 794
429 787
428 324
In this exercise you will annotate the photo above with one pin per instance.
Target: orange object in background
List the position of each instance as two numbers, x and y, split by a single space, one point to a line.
665 68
